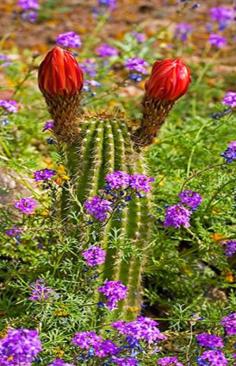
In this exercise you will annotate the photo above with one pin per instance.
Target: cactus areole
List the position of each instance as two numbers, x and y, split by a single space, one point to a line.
98 144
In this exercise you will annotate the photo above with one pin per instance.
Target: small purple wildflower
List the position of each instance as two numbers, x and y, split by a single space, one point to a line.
217 40
26 205
141 329
140 182
60 362
43 174
28 4
98 208
230 248
120 361
140 37
177 216
230 99
182 31
190 199
40 292
114 291
169 361
118 180
212 358
105 50
110 4
229 323
69 39
136 64
94 256
48 125
4 60
14 231
89 66
222 15
105 348
30 16
86 340
19 347
230 153
9 105
210 340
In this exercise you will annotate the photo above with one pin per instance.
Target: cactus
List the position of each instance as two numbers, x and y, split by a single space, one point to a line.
93 146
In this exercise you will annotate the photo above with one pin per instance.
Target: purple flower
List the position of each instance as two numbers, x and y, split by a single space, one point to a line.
140 182
94 256
98 208
26 205
222 15
212 358
105 348
230 248
229 323
210 340
217 40
136 64
86 340
190 199
19 347
89 66
43 174
182 30
48 125
14 231
30 16
9 105
114 291
110 4
40 292
141 329
120 361
169 361
230 99
177 216
69 39
140 37
28 4
4 60
105 50
118 180
230 153
60 362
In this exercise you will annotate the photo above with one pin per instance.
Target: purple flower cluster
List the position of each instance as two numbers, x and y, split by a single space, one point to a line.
40 292
14 231
102 348
140 37
210 340
190 198
4 60
69 40
110 4
122 180
169 361
230 248
89 66
48 125
212 358
182 31
98 208
30 9
60 362
19 347
230 99
114 291
230 153
217 40
222 15
105 50
136 64
26 205
94 256
120 361
141 329
229 323
9 105
177 216
43 174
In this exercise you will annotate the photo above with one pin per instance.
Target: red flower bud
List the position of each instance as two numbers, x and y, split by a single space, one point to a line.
60 74
169 80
